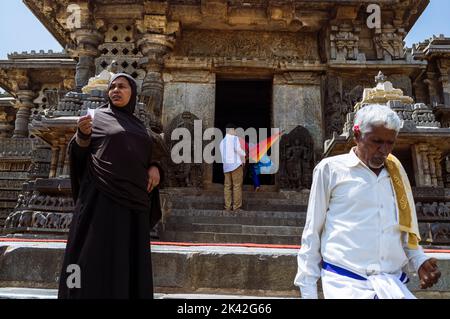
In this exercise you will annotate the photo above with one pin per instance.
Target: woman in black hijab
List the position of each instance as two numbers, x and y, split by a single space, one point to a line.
114 179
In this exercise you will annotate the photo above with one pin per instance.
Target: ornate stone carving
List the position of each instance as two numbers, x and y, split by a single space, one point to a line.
38 209
433 211
335 115
389 42
446 165
85 50
344 42
120 46
248 44
183 174
440 233
24 104
154 47
296 160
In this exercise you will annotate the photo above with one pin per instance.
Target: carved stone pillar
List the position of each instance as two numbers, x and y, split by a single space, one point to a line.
438 167
447 171
54 161
432 164
86 50
422 165
433 88
24 104
154 47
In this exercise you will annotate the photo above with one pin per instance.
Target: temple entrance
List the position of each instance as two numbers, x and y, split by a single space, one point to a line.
245 103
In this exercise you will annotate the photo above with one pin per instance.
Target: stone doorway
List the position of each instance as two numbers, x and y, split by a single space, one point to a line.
245 103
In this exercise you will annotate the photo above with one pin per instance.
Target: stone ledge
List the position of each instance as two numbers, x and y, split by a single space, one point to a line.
192 269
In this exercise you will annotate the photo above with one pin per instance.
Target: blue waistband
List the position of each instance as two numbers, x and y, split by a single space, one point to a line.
347 273
341 271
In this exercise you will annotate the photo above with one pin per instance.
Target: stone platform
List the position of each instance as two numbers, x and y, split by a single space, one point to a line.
189 269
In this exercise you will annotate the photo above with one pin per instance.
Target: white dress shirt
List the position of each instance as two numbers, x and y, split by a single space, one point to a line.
352 222
231 152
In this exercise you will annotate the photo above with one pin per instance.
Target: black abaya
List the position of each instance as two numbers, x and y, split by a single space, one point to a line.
109 238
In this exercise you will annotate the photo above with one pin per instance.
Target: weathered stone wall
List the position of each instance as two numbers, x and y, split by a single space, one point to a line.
193 92
297 100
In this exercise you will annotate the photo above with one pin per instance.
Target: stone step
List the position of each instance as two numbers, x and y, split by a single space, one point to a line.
230 238
33 293
241 214
245 205
245 195
266 192
239 220
27 293
235 229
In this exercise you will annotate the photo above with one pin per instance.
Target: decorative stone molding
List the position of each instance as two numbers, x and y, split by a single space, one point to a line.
190 76
297 78
389 43
344 42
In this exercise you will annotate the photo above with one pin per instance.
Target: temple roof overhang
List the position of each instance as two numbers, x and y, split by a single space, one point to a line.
434 47
259 15
27 70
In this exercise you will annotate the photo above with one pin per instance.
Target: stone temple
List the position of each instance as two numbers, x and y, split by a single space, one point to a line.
305 67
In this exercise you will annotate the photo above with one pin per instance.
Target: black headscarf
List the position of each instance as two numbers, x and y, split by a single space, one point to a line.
120 154
129 108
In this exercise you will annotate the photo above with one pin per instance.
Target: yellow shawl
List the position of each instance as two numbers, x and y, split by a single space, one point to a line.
405 201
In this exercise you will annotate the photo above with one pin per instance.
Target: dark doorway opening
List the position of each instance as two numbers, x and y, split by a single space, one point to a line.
245 103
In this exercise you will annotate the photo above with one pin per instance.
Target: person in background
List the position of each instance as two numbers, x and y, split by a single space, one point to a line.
233 159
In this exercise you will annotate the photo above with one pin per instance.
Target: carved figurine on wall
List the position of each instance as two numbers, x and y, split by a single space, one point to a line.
294 167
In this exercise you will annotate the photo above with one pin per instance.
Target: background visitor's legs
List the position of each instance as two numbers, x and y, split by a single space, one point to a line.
237 177
227 190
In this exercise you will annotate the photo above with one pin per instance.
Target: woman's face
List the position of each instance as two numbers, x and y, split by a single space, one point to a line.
120 92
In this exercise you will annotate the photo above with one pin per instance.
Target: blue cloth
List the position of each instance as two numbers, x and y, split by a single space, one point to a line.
347 273
254 169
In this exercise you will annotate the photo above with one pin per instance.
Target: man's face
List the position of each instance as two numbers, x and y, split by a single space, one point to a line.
374 147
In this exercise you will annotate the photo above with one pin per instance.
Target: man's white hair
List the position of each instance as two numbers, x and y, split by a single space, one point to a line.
376 115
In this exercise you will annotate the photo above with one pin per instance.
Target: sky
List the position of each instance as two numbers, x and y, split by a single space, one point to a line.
21 31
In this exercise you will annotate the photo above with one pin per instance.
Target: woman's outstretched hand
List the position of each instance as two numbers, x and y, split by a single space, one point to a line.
153 178
84 124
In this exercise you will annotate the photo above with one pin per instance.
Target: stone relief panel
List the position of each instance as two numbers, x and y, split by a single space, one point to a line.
344 92
341 96
344 42
248 44
296 160
446 170
389 44
182 174
40 210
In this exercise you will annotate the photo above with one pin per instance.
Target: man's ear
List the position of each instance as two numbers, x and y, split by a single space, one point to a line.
357 136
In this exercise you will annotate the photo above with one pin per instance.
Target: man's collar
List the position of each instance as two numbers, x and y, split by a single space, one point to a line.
353 159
